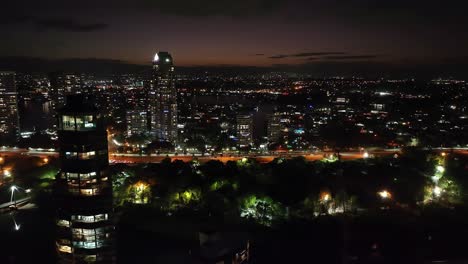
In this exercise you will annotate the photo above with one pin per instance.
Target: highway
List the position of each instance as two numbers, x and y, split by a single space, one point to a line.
262 158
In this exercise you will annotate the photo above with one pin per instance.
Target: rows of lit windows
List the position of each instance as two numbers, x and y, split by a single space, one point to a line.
81 176
85 191
83 219
89 218
80 155
78 123
89 238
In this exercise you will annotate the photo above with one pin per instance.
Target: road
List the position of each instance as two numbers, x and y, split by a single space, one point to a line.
119 158
135 158
18 203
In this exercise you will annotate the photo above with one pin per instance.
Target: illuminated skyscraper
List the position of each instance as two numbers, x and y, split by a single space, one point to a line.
163 98
9 120
84 190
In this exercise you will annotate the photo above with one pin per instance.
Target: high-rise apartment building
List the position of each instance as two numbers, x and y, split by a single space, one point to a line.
9 119
275 127
244 130
163 98
61 85
137 122
84 191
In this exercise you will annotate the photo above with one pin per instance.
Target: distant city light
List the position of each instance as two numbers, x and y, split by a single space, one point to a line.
156 57
365 155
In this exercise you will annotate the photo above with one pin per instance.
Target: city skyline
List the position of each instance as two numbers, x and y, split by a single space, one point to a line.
234 132
297 35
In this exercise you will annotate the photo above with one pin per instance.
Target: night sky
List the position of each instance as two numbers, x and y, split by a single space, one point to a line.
279 33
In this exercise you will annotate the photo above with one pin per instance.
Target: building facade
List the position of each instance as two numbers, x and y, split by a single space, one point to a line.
9 119
61 85
84 192
275 127
137 122
244 127
163 99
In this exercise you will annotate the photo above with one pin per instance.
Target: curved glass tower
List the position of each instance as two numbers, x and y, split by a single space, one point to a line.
84 219
163 98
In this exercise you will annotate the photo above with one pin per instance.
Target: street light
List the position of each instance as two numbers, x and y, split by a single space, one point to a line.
325 197
46 160
385 194
13 189
365 155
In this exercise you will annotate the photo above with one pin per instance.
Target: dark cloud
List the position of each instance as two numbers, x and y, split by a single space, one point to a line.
34 64
59 24
259 54
69 25
307 54
238 8
351 57
278 56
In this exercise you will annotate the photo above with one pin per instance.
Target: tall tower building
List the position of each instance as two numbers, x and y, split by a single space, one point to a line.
163 98
9 119
84 190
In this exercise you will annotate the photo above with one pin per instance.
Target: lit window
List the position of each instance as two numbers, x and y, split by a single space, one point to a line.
89 218
65 249
89 175
64 223
85 122
68 123
87 155
72 175
70 155
87 192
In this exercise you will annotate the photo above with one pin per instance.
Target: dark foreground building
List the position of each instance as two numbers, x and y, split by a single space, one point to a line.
84 220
